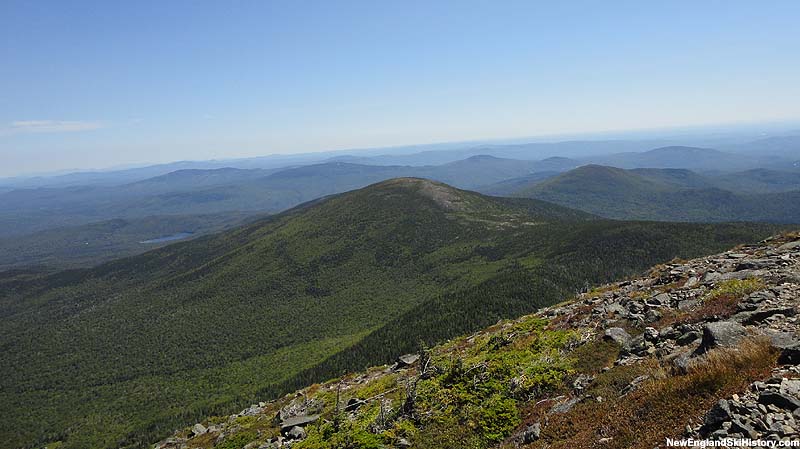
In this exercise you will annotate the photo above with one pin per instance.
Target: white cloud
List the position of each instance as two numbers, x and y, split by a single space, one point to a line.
48 126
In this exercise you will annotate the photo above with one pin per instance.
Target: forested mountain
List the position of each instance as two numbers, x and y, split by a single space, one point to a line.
123 353
195 192
760 180
190 179
679 178
511 187
672 195
478 170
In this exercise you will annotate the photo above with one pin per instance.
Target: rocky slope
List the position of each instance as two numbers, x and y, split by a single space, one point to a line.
706 348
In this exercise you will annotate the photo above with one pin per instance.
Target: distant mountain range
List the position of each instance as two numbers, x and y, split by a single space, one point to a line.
121 354
691 184
693 158
773 152
50 227
669 194
191 192
193 179
194 191
523 151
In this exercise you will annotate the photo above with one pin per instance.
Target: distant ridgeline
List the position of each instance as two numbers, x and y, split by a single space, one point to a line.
58 223
122 354
665 194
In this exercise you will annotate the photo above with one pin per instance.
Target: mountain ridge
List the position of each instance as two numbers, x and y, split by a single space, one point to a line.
694 158
331 284
665 194
195 192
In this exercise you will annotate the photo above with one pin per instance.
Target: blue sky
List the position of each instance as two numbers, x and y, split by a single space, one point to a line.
95 84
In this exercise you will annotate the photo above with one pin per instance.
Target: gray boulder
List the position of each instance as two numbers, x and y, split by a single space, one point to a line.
616 308
789 346
618 335
297 421
199 429
669 333
301 406
407 360
744 274
565 406
296 433
760 296
721 334
754 264
742 425
762 314
790 245
652 315
791 387
712 276
532 433
682 362
688 338
719 413
777 399
659 300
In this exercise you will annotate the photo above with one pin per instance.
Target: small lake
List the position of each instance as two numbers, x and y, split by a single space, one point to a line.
169 238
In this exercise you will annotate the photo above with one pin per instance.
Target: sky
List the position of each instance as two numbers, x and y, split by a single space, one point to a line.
87 84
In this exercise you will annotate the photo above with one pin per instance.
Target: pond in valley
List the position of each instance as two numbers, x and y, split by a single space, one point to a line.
169 238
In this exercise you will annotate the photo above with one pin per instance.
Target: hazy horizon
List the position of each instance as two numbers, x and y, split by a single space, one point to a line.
680 135
92 85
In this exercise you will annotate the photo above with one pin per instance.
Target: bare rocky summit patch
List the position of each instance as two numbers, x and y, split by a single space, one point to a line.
443 195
